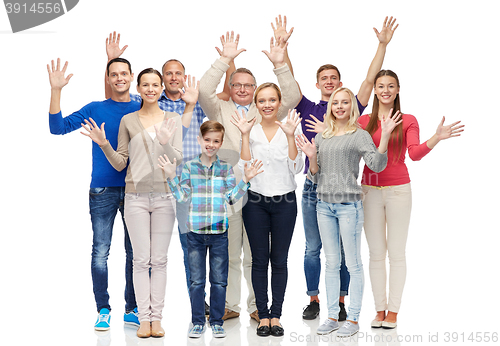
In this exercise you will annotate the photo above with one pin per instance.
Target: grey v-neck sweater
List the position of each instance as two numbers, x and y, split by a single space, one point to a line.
338 161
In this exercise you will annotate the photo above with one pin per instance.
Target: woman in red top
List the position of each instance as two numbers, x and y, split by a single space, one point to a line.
387 203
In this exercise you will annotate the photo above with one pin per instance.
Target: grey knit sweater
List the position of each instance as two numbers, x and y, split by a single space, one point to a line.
338 161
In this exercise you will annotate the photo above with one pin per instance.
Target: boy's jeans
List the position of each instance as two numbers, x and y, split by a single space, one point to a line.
217 246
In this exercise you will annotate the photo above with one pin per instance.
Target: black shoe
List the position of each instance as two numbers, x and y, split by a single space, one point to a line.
311 311
263 331
342 313
277 331
207 309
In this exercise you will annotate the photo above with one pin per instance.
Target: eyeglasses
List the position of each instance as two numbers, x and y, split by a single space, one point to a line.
246 86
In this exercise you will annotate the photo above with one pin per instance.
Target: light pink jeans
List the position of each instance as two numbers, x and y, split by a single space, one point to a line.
387 219
150 219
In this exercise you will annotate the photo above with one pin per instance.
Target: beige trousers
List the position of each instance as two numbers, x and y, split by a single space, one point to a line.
387 218
238 240
150 220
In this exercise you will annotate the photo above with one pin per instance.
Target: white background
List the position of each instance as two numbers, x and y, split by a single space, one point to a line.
446 56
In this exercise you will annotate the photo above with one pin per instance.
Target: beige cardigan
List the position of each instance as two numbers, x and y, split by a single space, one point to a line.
136 144
222 111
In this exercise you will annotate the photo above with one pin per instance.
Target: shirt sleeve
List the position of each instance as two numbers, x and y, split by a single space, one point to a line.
416 151
372 157
61 126
119 158
208 89
181 190
236 192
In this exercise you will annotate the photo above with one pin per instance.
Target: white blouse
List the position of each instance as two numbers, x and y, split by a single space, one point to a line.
278 177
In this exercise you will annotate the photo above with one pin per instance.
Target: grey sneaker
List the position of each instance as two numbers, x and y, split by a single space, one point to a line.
327 327
348 329
196 331
218 331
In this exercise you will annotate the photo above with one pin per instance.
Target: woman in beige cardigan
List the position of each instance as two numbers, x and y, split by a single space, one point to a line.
144 136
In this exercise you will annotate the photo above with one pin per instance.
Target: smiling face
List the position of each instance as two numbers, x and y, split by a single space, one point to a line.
268 102
341 107
386 88
173 78
328 81
150 87
242 89
119 77
210 143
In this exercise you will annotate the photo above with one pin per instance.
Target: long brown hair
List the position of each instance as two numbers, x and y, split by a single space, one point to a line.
396 140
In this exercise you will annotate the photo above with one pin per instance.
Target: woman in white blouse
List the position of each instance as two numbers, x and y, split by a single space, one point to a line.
271 209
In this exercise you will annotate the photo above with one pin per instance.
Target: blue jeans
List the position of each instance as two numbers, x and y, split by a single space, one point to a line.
269 223
104 203
344 220
218 260
312 262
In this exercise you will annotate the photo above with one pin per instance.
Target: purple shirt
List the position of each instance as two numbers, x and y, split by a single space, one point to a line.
318 110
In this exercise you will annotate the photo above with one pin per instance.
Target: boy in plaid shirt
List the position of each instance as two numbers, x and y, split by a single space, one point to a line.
208 183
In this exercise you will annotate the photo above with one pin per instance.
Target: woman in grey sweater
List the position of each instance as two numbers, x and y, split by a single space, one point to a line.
334 157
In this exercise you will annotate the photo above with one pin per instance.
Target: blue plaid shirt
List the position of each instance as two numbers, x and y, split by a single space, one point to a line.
209 189
190 146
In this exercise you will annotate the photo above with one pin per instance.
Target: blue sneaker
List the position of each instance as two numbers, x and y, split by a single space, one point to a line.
218 331
196 331
327 327
103 320
131 318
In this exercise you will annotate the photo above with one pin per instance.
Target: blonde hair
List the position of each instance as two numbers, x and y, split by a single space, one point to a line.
330 121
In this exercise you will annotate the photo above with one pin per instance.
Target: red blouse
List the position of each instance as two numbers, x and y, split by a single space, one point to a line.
396 172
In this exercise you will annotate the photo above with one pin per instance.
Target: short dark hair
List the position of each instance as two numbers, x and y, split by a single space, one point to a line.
327 67
125 61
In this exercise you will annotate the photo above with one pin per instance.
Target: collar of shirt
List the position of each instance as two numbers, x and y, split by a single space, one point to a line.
215 164
240 108
165 97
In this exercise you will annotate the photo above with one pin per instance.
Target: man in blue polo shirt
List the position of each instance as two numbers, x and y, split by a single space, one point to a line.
107 187
328 79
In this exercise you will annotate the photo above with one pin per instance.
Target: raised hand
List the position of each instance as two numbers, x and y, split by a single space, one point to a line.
113 49
166 130
292 121
230 46
389 122
385 35
280 30
276 52
95 133
241 122
315 125
308 148
252 169
167 166
191 90
56 75
448 131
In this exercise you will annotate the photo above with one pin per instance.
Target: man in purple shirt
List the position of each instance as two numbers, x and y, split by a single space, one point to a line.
328 79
